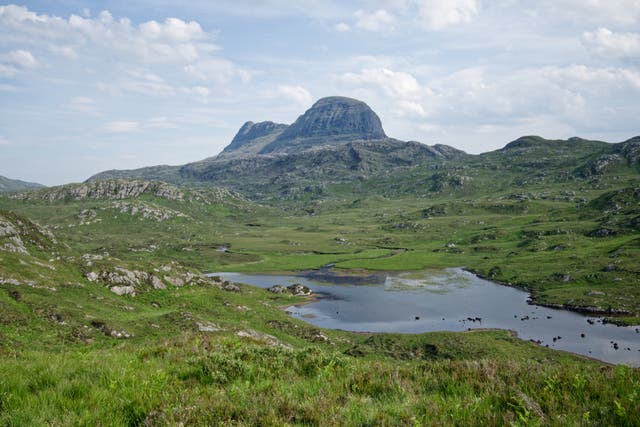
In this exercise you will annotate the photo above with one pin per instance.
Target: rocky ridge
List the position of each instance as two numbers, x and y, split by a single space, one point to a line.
121 189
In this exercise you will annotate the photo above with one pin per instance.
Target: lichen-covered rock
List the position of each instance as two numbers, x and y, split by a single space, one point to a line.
230 287
17 232
157 283
123 290
277 289
299 289
175 280
267 339
207 327
147 211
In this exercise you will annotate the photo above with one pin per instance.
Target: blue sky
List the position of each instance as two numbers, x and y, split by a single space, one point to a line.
87 86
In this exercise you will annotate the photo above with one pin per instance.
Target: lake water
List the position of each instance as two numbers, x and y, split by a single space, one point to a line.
446 300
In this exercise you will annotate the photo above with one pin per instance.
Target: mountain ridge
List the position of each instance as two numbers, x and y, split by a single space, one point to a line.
341 141
9 185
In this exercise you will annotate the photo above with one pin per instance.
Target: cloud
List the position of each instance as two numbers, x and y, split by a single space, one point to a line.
440 14
342 27
83 104
411 109
173 42
4 141
64 51
616 12
297 94
217 70
121 126
397 84
160 123
14 62
380 20
612 45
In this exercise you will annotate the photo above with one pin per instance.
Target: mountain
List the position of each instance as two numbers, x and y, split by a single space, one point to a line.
338 140
252 138
7 185
339 143
330 121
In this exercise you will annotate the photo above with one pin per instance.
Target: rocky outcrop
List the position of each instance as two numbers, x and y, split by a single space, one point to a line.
17 233
147 211
296 289
252 138
331 118
109 189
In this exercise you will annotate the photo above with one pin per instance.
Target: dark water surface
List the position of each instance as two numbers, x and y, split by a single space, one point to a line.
445 300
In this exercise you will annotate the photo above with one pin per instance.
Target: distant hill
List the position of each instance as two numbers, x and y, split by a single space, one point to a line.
7 185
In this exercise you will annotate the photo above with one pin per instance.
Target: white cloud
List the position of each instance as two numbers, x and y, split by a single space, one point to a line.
396 84
439 14
609 44
14 62
411 109
66 52
4 141
121 126
217 70
342 27
21 58
297 94
380 20
617 12
173 42
160 123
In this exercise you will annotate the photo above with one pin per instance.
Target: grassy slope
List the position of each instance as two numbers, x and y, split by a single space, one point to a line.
59 366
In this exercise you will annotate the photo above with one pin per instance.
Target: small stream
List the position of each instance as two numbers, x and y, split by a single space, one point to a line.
450 300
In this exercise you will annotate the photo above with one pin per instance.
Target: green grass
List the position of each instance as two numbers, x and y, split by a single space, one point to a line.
60 364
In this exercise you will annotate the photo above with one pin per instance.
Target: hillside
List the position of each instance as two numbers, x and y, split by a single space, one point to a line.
8 185
125 335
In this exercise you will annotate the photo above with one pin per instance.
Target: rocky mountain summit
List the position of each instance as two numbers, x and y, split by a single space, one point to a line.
252 138
332 120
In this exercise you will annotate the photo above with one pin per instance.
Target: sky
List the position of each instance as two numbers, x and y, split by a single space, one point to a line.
87 86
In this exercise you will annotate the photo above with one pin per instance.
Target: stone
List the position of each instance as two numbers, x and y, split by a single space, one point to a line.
230 287
157 283
174 280
207 327
123 290
299 289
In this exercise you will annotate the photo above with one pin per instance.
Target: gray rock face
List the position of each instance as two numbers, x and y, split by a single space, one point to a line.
252 137
332 118
117 189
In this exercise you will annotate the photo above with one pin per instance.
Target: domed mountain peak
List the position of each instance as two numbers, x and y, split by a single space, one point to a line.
330 120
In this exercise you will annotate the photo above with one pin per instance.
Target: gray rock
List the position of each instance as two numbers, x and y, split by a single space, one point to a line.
230 287
207 327
157 283
331 118
299 290
123 290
